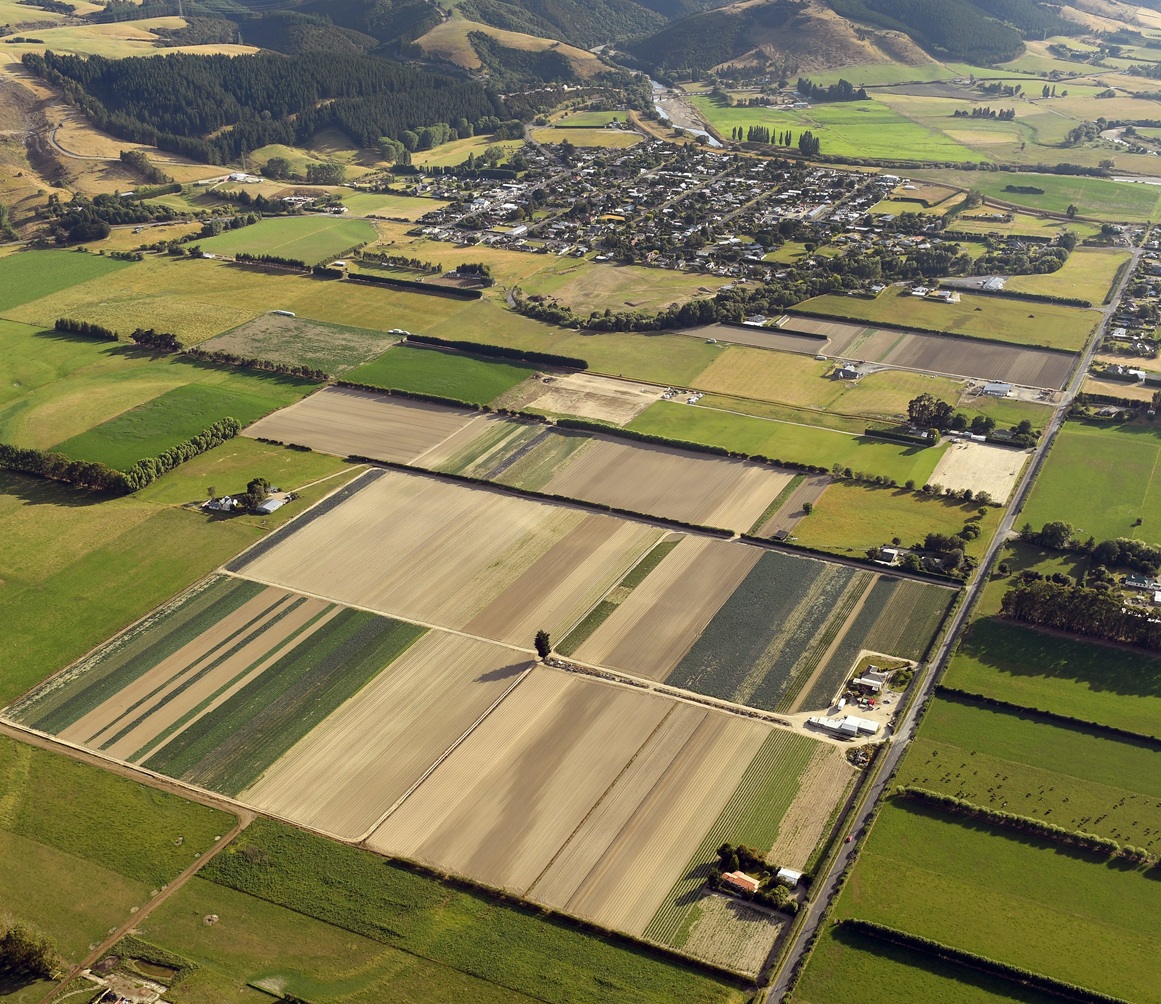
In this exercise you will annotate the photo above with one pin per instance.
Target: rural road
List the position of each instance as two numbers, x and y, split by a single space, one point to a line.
826 887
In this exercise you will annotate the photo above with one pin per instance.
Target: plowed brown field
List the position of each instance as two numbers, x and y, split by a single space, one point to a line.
649 633
366 755
671 483
353 422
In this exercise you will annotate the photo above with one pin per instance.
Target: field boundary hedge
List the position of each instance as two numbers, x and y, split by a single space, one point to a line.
499 352
229 359
981 963
797 311
1015 294
1053 716
68 325
411 285
1022 824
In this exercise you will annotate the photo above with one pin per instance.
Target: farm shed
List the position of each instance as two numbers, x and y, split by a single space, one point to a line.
997 389
788 876
741 880
847 727
269 506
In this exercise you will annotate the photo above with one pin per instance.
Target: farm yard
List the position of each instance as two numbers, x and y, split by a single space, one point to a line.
1044 325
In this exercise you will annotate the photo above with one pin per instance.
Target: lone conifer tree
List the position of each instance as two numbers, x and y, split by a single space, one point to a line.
543 644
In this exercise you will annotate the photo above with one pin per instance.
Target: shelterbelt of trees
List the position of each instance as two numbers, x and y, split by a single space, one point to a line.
215 108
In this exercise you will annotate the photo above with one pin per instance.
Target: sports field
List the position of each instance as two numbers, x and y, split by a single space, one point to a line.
845 129
1008 890
309 238
1048 325
444 374
1098 683
1103 480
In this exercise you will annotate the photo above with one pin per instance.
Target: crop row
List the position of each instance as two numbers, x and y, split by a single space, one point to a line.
910 620
845 654
229 748
128 657
603 610
745 632
752 816
836 621
779 501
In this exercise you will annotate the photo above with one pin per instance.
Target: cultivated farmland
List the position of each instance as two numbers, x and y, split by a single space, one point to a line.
586 396
468 559
1028 366
347 422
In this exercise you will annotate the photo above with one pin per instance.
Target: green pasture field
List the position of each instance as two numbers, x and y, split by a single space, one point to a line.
847 129
456 152
513 947
29 275
256 942
659 358
1017 899
509 268
610 138
589 120
178 415
1087 274
850 517
1024 224
1097 198
445 374
781 440
1072 777
752 816
1049 325
77 570
394 204
198 298
311 238
301 341
878 74
1068 676
586 286
1103 480
887 973
80 847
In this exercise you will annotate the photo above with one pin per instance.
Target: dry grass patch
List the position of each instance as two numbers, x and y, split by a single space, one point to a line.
587 396
822 785
649 633
349 422
366 755
980 467
731 932
450 41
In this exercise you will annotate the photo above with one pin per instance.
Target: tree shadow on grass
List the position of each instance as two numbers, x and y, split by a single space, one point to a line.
39 491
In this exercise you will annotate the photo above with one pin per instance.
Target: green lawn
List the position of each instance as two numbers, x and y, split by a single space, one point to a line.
887 974
845 129
1044 324
781 440
853 517
445 374
1068 676
309 238
1102 480
178 415
516 948
77 570
29 275
1024 763
1094 197
392 204
1010 897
